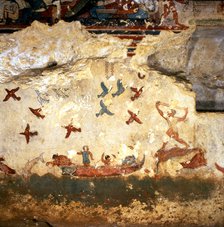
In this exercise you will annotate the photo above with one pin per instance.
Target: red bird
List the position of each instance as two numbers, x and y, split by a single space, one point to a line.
70 128
11 93
137 93
37 113
218 167
28 134
133 118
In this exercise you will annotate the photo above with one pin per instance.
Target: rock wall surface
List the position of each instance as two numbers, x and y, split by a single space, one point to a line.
192 58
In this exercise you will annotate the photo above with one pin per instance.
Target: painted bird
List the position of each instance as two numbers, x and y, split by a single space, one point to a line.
104 110
132 118
28 134
11 94
105 90
120 89
137 93
37 113
70 128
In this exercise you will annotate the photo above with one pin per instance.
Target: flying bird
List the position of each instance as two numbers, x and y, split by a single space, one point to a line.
37 113
137 93
70 128
105 90
132 118
28 134
104 110
120 89
11 94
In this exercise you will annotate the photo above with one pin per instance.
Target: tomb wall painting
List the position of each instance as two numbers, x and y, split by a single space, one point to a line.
168 15
120 109
95 138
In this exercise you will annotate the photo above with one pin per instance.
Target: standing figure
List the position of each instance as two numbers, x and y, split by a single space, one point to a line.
170 7
85 155
172 121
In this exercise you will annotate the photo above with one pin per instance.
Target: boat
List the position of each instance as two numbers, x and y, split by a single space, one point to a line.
165 154
102 171
197 161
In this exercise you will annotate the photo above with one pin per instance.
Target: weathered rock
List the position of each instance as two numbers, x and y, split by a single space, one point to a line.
42 46
196 56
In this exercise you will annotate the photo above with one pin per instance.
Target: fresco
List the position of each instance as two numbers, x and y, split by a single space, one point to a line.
99 138
23 12
173 113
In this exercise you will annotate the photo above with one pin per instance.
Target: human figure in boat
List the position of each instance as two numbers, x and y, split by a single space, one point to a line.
172 120
127 9
129 161
60 160
86 155
106 159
